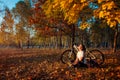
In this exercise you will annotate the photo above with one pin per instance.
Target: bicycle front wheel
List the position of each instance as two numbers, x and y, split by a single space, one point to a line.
98 56
68 56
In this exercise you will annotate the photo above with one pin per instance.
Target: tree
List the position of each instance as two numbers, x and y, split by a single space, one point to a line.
71 11
75 10
109 12
22 13
7 28
101 34
45 25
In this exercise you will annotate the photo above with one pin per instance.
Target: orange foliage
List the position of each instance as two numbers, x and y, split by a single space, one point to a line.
44 64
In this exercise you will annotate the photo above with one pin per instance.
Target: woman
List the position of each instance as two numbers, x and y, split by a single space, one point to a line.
80 57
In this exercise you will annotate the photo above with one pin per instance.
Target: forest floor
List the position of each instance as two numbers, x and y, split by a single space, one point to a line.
45 64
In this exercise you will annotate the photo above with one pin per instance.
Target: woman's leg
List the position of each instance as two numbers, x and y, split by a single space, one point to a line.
81 64
76 61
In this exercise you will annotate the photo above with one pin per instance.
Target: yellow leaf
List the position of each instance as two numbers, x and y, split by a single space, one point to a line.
101 14
107 13
72 13
67 72
113 24
104 7
70 1
74 6
55 5
62 4
108 21
110 5
100 1
117 19
84 25
82 1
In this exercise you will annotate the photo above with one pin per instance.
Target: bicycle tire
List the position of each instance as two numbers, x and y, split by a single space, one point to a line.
99 56
65 58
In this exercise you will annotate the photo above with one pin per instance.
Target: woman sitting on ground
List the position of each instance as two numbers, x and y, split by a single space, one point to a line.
80 57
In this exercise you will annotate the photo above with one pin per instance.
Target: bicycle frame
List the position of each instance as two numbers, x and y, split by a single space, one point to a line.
95 55
90 55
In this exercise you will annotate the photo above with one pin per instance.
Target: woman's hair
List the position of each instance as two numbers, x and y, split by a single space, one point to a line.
84 48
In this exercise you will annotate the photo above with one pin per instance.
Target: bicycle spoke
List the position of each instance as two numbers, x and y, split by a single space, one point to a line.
67 56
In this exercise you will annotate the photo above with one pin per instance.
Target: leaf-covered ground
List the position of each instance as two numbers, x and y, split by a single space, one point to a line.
36 64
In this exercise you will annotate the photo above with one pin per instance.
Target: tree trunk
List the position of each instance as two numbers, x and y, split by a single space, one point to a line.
115 40
73 34
28 43
60 43
20 44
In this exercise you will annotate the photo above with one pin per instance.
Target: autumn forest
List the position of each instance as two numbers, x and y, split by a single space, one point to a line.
50 23
33 27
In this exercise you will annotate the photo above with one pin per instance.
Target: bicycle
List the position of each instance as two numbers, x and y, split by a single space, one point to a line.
95 55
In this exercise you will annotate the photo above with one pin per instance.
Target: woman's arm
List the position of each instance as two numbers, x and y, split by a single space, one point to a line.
76 61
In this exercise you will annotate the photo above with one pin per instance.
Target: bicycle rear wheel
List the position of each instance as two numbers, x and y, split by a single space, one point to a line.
68 56
98 56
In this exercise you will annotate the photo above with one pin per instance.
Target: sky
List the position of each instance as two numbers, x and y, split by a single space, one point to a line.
9 3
